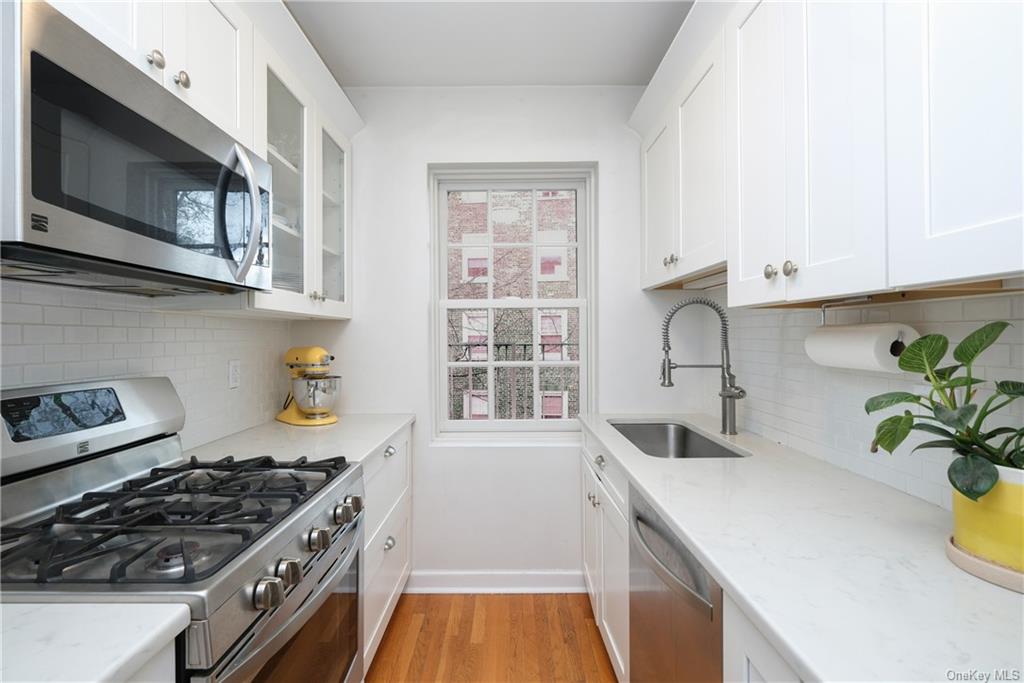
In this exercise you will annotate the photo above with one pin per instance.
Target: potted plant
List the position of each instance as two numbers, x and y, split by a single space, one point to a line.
988 473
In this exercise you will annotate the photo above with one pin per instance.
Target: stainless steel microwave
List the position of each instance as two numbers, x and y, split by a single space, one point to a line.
112 181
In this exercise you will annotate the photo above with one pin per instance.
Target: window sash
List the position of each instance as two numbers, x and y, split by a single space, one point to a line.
443 305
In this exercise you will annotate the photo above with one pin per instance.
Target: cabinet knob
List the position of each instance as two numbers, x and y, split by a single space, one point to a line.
788 268
390 543
770 271
669 260
590 497
599 461
389 451
268 593
156 58
182 78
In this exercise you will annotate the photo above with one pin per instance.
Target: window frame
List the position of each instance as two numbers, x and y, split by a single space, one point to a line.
444 178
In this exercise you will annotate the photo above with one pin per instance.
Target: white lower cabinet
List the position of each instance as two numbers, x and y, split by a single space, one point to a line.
387 525
606 566
747 656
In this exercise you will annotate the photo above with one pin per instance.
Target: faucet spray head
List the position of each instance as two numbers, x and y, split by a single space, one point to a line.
666 371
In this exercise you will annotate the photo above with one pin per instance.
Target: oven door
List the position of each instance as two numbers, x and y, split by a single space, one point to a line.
117 168
319 641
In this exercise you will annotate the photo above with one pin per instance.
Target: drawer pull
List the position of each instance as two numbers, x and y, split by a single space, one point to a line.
389 451
599 461
390 543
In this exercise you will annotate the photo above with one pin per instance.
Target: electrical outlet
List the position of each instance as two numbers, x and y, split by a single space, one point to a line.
234 373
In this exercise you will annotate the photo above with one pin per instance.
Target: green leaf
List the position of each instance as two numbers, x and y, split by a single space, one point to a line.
958 382
1010 388
891 431
957 418
944 373
932 429
972 475
890 399
977 341
1017 459
998 431
924 354
940 443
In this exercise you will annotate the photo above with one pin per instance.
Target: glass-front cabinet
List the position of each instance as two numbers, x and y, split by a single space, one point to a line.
311 214
334 258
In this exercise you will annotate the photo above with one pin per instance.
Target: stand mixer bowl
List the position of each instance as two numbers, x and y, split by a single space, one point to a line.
316 395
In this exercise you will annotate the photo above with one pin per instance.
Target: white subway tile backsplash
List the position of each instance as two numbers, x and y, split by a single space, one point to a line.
820 410
55 335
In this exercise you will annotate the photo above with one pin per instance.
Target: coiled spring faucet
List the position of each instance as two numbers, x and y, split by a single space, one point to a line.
730 391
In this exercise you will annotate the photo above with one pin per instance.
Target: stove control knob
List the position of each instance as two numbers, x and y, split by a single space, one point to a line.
319 539
346 512
268 594
289 570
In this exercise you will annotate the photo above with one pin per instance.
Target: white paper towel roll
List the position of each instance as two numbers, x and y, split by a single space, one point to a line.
860 347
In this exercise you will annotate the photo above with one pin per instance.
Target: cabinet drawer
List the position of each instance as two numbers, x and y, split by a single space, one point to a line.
609 472
386 478
386 567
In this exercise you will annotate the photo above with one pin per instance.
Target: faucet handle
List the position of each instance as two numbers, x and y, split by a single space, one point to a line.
733 392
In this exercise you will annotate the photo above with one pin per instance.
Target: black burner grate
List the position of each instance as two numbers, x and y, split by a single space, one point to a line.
163 521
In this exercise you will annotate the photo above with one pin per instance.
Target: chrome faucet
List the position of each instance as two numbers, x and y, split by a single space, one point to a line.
730 391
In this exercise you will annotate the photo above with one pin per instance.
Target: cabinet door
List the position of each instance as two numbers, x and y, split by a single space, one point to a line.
761 98
591 538
614 619
837 233
660 157
209 62
131 28
747 656
284 118
702 164
954 131
334 183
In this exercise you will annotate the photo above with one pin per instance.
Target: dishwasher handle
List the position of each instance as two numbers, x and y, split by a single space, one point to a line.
673 581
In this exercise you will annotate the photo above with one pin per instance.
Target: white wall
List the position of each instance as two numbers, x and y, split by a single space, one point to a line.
56 334
492 516
820 410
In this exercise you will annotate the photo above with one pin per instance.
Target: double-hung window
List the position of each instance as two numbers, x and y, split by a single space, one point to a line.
511 302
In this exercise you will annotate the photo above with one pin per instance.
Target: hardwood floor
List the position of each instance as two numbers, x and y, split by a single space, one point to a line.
488 638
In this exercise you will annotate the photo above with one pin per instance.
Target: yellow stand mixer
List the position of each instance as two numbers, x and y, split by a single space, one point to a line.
313 392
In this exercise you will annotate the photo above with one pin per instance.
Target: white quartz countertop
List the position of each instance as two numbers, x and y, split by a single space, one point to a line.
846 577
84 642
352 436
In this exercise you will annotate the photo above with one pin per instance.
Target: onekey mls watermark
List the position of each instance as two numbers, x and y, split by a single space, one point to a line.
983 676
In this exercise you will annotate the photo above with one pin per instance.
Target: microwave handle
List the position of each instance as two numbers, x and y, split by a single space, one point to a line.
239 157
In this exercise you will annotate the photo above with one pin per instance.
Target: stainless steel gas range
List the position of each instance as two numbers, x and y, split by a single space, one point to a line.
99 504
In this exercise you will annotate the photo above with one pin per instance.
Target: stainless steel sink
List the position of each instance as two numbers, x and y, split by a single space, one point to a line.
671 440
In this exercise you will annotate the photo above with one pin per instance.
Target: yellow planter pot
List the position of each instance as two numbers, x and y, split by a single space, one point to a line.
992 528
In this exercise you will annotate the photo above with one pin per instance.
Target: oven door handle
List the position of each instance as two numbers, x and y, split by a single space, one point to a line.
248 665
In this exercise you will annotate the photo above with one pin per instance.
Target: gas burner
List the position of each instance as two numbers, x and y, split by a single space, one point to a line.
174 557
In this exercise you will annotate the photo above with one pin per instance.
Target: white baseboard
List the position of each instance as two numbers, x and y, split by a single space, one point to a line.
496 582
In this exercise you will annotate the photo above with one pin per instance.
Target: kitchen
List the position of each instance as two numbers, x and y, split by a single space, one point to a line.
431 275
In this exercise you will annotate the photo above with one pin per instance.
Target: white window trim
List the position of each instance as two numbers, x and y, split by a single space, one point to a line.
512 176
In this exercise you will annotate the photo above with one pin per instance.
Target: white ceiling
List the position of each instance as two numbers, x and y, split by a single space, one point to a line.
490 43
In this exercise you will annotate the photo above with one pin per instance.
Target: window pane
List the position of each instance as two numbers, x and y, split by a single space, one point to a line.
467 393
513 334
556 272
513 272
513 393
467 335
556 215
559 393
559 333
469 271
467 217
512 216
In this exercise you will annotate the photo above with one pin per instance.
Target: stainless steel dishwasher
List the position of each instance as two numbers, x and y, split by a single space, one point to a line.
675 607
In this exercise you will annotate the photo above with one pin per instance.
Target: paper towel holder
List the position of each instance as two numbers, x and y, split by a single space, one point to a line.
895 349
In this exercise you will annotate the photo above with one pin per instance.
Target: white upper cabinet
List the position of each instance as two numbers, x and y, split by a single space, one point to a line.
334 190
659 158
760 95
954 80
131 28
806 207
209 52
684 178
